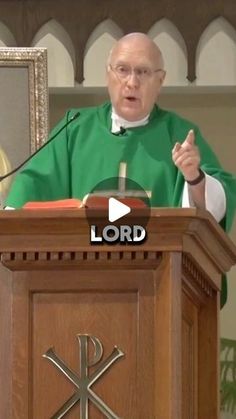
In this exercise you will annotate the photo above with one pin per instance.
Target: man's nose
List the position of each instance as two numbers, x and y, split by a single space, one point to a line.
133 79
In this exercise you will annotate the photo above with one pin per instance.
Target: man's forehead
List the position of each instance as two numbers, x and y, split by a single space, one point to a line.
127 53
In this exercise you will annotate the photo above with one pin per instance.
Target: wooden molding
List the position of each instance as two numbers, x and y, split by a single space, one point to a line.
80 18
150 260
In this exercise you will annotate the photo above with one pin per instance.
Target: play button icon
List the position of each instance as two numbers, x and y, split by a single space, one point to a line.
117 209
111 204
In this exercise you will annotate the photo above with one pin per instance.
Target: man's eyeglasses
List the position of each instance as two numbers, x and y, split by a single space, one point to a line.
124 71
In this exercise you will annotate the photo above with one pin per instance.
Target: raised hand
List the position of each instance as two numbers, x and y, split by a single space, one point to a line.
186 157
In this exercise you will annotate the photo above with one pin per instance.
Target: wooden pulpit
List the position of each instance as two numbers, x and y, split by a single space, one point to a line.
120 331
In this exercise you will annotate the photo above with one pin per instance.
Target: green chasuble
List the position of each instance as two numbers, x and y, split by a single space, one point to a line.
86 153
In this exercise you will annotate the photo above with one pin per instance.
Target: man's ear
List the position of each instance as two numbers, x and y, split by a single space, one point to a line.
163 76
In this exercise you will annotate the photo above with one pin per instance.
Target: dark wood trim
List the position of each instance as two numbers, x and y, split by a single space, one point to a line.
79 18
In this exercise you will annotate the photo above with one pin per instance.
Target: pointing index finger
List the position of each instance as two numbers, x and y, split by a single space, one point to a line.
190 139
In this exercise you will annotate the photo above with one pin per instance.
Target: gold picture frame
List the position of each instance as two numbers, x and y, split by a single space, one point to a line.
24 111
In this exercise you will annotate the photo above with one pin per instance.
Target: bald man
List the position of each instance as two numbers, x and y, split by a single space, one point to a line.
133 101
162 152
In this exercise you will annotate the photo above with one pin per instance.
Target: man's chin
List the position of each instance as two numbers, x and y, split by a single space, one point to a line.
132 114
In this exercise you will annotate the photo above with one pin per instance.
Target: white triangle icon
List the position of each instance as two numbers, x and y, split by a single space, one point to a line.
117 210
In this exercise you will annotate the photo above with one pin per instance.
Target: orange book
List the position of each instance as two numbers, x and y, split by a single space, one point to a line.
89 201
59 204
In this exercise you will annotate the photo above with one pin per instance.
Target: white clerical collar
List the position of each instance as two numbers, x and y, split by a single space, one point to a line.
118 122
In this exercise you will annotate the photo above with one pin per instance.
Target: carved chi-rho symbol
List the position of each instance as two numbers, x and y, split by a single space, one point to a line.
84 382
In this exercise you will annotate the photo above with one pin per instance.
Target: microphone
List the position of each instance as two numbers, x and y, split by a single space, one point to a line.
122 131
72 118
